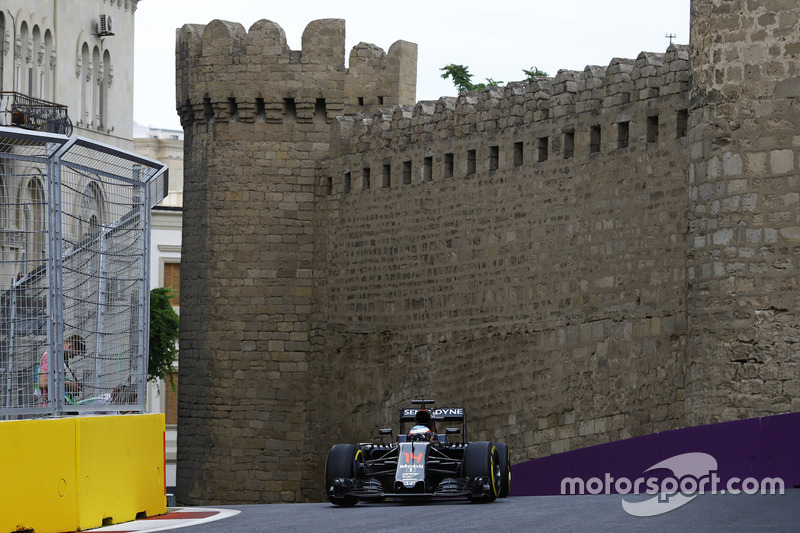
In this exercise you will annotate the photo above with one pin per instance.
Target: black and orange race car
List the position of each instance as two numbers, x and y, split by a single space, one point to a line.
421 463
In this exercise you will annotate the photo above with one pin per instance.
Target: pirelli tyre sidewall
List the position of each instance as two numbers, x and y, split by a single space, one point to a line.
481 460
341 464
505 469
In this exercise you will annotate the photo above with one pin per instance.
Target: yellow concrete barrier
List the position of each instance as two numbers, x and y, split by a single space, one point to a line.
70 474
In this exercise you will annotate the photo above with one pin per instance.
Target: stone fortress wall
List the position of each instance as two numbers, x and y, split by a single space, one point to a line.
520 243
575 260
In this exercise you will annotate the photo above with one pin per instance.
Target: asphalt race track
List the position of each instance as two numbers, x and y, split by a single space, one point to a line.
706 512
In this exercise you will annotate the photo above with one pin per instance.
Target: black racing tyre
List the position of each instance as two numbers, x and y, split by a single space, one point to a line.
481 460
341 463
505 469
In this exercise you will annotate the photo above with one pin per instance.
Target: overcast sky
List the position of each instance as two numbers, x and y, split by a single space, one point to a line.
494 38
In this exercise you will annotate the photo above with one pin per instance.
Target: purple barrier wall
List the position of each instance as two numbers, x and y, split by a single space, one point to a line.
754 448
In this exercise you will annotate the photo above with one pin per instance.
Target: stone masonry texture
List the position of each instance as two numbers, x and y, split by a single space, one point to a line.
579 259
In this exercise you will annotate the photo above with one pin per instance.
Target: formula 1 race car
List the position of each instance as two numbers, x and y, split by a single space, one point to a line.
421 464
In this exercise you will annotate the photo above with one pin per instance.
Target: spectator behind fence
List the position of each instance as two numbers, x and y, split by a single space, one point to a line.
74 346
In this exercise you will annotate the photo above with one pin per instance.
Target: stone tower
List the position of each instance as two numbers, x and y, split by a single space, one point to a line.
257 119
743 245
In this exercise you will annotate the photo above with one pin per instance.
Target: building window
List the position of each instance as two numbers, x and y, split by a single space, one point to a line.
233 109
92 210
172 279
448 165
427 169
49 56
471 161
406 172
85 81
594 139
34 212
518 154
105 87
652 129
623 134
387 176
329 186
542 147
208 109
261 110
321 108
2 50
346 184
494 158
569 144
289 107
682 120
365 179
96 85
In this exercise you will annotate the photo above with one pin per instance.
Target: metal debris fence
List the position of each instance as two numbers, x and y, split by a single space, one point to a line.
74 274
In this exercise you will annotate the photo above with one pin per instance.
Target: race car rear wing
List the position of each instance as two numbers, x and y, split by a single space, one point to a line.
425 414
439 413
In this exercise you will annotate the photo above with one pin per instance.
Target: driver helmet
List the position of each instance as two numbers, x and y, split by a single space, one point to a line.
420 433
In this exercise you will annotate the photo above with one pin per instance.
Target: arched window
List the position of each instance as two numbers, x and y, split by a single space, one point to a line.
31 219
85 75
105 87
4 222
96 82
48 66
35 68
92 215
24 59
2 49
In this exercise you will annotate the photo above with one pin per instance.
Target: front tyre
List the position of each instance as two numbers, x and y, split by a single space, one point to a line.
505 469
481 460
341 463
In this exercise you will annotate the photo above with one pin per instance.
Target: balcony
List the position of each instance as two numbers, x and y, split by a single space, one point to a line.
31 113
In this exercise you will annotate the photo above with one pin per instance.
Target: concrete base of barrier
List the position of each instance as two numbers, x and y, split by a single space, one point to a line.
70 474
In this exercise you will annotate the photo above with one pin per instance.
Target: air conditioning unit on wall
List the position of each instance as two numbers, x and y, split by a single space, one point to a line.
105 26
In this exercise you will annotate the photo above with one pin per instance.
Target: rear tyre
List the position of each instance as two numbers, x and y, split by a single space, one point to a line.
482 461
341 462
505 469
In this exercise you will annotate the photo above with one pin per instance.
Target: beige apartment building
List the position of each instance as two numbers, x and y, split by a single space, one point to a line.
74 57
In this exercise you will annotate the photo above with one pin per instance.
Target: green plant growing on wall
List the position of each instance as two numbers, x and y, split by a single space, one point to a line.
462 79
534 72
164 330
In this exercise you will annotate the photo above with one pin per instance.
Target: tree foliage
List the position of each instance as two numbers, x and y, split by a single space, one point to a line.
164 330
462 79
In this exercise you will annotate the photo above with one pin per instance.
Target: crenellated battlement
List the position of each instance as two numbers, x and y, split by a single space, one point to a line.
226 74
633 88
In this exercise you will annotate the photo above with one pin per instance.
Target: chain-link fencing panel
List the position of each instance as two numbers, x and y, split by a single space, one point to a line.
74 274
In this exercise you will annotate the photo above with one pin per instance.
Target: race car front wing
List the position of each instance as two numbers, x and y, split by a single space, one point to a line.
372 489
